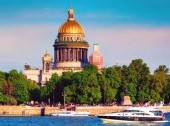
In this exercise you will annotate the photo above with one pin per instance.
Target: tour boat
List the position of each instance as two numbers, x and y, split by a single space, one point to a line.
135 115
69 113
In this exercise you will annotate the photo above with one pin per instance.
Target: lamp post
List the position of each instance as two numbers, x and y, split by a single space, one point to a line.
63 94
53 97
64 99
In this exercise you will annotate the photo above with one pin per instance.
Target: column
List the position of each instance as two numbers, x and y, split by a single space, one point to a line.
68 54
81 54
85 55
65 54
57 53
73 55
77 55
82 58
60 54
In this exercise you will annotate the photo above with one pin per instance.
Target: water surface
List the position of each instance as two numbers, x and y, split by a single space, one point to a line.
60 121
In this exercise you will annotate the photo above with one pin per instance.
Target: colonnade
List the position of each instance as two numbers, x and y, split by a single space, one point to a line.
71 54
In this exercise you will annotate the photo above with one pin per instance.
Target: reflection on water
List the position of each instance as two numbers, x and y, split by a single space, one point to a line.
144 124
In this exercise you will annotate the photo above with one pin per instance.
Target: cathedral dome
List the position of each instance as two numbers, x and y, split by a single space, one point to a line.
70 26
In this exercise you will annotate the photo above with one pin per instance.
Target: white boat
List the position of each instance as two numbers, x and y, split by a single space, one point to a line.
69 113
135 115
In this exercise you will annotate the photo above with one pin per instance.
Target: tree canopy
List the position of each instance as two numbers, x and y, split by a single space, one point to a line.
90 86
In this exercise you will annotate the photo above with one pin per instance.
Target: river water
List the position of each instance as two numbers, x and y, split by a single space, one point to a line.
60 121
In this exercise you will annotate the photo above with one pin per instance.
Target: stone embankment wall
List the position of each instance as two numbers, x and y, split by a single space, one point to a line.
37 111
19 111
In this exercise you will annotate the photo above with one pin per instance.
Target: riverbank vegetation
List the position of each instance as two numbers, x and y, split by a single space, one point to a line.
90 86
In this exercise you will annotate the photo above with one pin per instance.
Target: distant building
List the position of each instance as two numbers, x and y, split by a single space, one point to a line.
96 57
70 53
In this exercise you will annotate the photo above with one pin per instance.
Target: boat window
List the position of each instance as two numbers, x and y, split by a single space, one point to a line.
140 114
157 113
146 114
132 111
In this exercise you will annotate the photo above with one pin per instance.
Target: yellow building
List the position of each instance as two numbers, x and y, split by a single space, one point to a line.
70 52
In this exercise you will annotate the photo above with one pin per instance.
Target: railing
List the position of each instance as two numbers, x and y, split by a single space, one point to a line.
61 41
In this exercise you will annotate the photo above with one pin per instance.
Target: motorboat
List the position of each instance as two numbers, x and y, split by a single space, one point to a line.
135 115
69 113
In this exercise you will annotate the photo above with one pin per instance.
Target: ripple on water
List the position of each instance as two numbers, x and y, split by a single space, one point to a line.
60 121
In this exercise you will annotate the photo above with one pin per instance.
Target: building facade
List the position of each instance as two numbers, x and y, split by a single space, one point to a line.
96 57
70 52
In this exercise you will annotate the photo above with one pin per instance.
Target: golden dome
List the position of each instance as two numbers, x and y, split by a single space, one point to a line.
70 26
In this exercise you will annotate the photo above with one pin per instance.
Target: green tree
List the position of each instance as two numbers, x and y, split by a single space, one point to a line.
2 79
34 91
166 92
7 88
68 89
87 87
129 82
11 100
21 92
162 68
142 73
20 86
3 99
113 82
48 92
102 81
159 84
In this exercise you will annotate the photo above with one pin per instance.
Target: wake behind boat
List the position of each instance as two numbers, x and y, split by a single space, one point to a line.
69 113
135 115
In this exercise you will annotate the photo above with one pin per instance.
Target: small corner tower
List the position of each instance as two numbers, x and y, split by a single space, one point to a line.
96 57
47 62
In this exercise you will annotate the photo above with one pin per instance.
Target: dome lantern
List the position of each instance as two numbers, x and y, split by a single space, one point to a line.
70 14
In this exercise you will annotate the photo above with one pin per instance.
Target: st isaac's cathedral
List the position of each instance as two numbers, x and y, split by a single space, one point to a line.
70 53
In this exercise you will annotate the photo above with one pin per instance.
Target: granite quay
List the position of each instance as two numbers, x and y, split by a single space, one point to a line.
44 111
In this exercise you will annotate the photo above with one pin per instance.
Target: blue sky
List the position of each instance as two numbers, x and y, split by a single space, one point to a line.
124 29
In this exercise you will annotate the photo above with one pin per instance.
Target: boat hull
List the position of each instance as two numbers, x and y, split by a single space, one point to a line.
132 118
114 121
69 113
